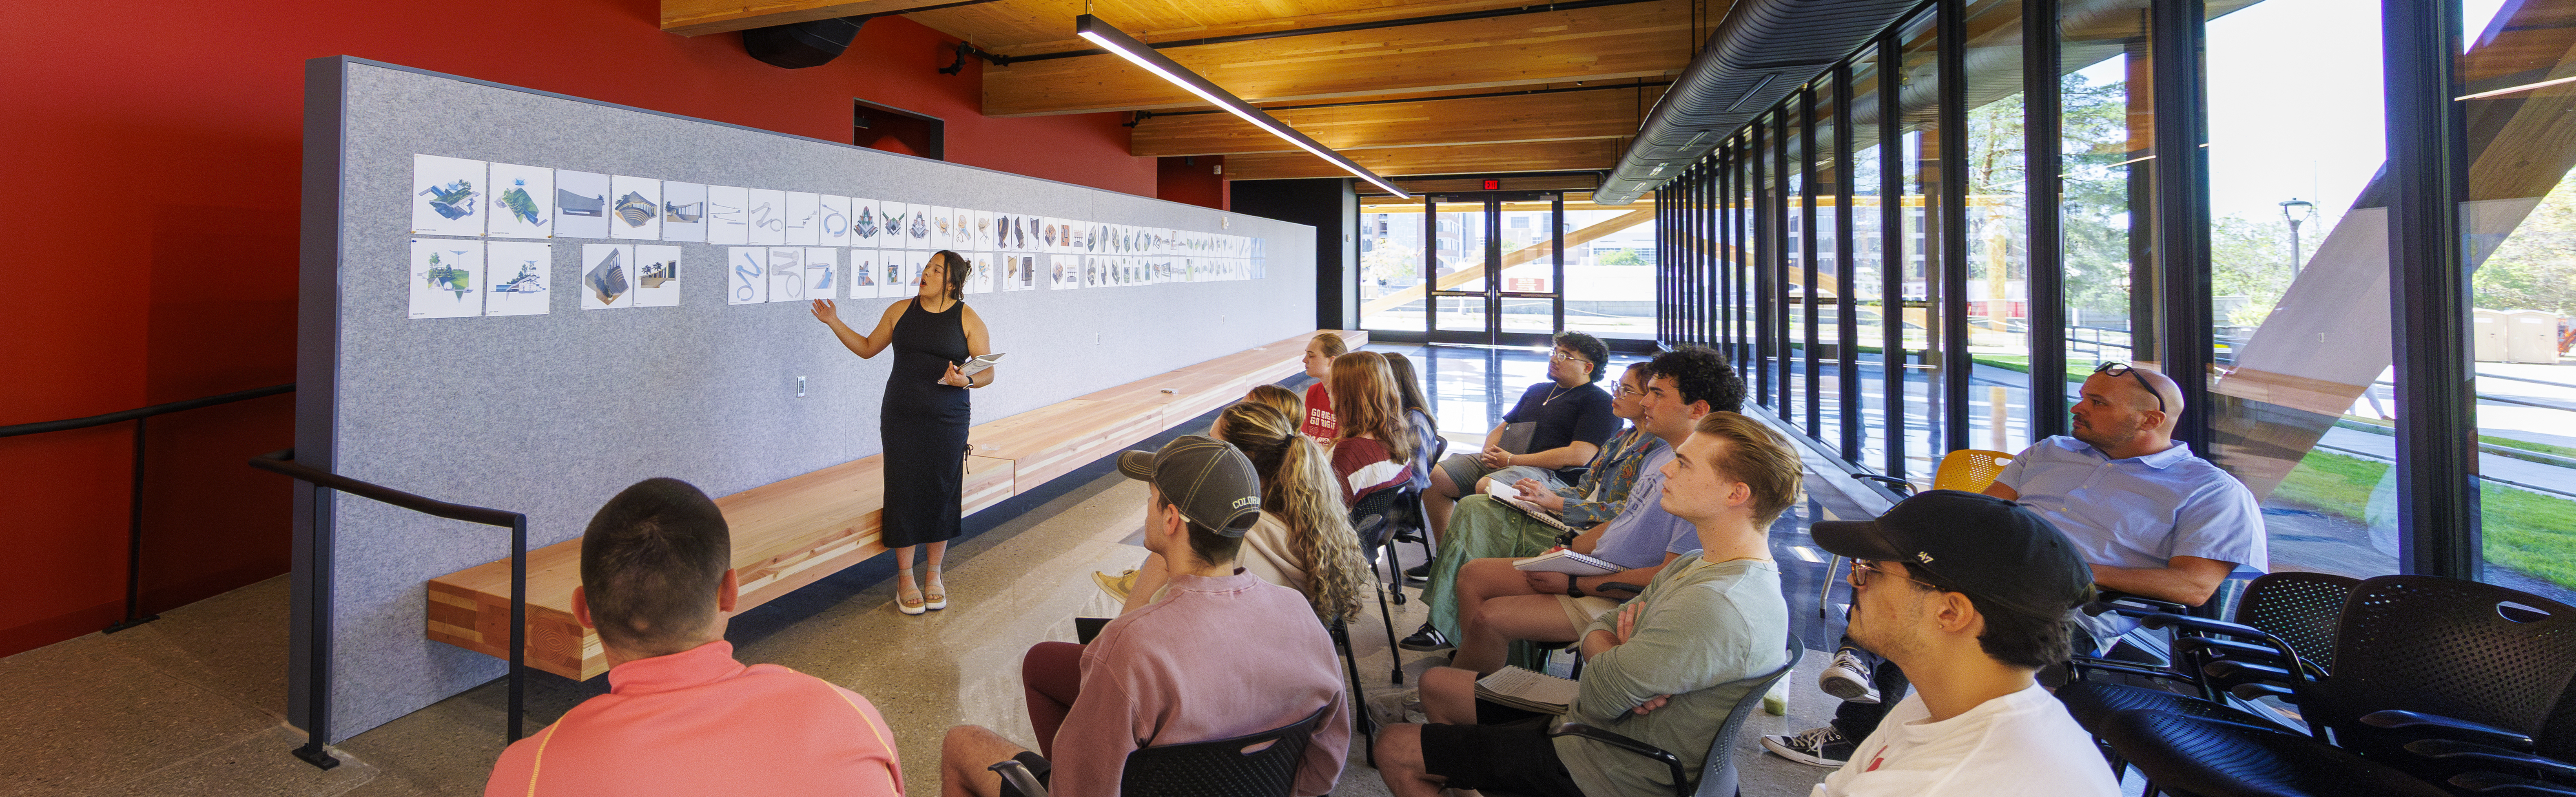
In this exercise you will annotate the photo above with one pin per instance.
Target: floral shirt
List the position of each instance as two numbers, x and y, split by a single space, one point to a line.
1604 489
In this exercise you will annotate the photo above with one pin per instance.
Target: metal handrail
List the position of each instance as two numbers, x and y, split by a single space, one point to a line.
317 700
141 416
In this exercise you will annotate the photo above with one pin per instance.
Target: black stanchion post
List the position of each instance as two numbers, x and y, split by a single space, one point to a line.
134 540
518 623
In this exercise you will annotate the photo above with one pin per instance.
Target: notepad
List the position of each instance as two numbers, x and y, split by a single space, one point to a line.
1511 496
977 365
1566 561
1528 691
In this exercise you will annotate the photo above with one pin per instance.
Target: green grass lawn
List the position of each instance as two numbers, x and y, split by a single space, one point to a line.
2526 531
2488 439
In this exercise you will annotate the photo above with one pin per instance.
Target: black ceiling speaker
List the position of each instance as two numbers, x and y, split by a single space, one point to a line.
802 44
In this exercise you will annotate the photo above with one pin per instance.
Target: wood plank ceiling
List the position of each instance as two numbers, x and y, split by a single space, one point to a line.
1545 89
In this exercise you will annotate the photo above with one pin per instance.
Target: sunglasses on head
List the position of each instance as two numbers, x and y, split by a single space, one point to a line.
2123 369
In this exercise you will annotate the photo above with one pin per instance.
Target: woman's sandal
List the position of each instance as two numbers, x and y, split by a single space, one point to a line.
934 592
911 605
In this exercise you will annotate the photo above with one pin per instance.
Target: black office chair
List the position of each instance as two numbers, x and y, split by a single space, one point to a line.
1373 517
1412 523
1259 765
2434 680
2283 620
1717 775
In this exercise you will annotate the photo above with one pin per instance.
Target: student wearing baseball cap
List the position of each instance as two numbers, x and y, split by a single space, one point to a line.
1219 654
1970 594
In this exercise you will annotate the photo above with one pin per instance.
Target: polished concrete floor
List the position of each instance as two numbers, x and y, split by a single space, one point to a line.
195 703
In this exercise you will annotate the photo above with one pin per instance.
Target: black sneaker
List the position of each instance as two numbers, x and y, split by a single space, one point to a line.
1420 572
1426 639
1823 747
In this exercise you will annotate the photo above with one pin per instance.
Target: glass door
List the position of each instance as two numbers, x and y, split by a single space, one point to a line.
1498 268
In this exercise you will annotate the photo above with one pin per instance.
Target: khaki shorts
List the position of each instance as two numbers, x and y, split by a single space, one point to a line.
1582 611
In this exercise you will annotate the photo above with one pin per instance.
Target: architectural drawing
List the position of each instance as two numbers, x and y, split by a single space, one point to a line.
605 284
581 205
786 274
799 215
833 214
821 266
684 212
657 276
725 217
521 274
746 275
447 194
443 275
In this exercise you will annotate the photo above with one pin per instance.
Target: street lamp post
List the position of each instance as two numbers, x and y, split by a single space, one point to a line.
2294 219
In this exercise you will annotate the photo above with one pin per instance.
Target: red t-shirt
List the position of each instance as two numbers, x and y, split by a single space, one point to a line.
1364 466
1319 414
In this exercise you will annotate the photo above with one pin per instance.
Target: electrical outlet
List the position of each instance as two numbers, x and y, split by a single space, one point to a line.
1095 338
800 387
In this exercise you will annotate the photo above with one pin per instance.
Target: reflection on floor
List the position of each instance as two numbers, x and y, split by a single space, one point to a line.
182 706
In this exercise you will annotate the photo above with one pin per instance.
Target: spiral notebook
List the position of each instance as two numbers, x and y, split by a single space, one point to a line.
1528 691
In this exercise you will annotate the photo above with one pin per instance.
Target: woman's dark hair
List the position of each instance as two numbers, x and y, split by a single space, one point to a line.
957 270
1408 387
1591 348
1703 375
2011 637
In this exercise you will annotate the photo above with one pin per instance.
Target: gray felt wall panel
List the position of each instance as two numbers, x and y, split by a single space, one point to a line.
552 414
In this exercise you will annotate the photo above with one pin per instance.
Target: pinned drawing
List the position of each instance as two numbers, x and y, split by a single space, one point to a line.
726 220
863 227
983 230
766 212
582 205
657 276
684 212
832 214
637 211
524 206
801 219
605 284
942 236
442 277
746 275
919 227
891 262
446 195
520 273
821 264
863 264
786 274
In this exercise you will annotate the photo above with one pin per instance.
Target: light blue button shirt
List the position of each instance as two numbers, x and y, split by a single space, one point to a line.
2139 512
1643 532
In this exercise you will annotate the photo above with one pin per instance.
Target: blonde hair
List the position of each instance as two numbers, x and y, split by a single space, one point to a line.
1279 398
1364 401
1297 487
1760 458
1332 344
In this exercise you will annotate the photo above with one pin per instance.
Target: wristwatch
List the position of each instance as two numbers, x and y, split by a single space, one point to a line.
1572 590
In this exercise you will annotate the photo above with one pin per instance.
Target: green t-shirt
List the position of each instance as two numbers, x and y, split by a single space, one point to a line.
1707 627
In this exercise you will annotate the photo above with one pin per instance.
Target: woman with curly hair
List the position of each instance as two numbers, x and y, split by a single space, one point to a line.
1304 539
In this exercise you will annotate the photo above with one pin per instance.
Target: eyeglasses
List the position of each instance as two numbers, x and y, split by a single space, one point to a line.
1564 357
2123 369
1625 390
1860 581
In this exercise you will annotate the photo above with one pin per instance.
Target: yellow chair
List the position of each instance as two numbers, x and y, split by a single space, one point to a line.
1967 470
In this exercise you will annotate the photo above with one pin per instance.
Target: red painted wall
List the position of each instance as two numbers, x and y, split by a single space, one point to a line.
1194 181
151 153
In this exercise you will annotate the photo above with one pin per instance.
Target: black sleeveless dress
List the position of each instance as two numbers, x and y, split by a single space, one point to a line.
923 424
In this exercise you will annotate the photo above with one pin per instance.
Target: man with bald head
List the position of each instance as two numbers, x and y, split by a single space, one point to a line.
2148 516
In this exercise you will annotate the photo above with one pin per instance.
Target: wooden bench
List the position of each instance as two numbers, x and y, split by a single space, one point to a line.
794 532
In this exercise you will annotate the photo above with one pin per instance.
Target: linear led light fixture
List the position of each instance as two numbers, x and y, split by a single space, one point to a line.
1110 38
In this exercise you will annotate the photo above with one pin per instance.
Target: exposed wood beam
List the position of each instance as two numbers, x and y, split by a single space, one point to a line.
1557 182
702 17
1618 42
1034 27
1609 113
1545 156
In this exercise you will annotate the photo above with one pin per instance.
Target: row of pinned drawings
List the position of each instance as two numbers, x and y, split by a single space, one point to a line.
460 197
465 278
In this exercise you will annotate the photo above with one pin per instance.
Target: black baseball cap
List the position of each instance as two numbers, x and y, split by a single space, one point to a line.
1986 546
1213 483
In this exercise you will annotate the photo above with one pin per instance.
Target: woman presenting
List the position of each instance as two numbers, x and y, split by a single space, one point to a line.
923 420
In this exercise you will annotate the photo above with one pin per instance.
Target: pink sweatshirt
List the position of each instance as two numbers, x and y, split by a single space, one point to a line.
1216 658
697 722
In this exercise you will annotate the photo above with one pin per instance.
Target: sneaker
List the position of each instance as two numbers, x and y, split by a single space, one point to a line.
1420 572
1823 747
1425 640
1847 678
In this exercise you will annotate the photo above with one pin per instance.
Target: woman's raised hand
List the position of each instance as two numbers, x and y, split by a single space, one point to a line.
825 312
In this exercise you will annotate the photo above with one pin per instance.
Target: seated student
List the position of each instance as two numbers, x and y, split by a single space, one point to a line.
1970 594
1221 654
1498 604
2152 519
1281 399
1374 442
1666 669
1573 417
1317 421
681 715
1408 386
1304 539
1482 527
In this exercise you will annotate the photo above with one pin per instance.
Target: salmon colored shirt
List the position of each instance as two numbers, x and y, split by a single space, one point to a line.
696 723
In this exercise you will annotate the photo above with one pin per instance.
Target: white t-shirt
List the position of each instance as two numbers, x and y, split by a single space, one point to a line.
2019 745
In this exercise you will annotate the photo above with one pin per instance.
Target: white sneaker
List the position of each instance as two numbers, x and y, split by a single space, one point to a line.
1847 678
1823 747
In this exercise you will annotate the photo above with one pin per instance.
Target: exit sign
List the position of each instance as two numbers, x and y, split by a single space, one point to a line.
1493 185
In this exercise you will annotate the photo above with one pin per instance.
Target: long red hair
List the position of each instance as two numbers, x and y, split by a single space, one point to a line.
1365 402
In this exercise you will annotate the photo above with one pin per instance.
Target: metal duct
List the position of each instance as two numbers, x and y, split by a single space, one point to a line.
1761 52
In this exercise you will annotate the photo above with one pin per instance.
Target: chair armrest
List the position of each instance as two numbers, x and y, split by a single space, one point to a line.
2445 727
2151 604
1899 486
2454 750
1017 774
2245 671
1681 777
2501 784
2257 691
2231 651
